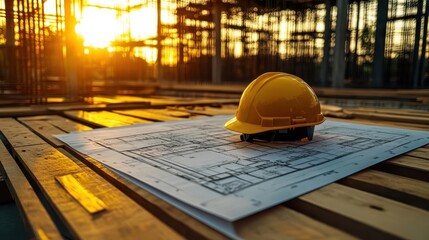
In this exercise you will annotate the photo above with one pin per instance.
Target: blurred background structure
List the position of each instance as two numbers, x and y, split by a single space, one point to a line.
72 48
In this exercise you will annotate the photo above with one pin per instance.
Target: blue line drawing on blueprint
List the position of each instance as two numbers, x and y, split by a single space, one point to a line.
207 167
229 166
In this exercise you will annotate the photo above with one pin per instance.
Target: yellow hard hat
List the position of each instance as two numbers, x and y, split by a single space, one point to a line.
275 101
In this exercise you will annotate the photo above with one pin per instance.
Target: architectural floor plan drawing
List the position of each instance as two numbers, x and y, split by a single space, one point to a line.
207 167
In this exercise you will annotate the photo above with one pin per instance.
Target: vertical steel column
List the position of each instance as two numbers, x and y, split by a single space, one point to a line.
380 42
415 69
340 43
158 42
71 56
180 62
326 45
217 62
355 54
422 63
10 44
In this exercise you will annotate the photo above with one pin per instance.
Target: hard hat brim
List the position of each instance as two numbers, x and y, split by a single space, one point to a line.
236 125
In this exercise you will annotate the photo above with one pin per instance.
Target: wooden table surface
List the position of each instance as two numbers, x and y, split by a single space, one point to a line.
387 201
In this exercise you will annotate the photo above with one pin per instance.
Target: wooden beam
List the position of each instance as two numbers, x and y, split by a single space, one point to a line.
36 218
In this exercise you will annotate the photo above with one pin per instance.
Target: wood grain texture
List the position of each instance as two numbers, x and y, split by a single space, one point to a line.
48 125
394 218
60 122
21 136
45 130
88 200
37 220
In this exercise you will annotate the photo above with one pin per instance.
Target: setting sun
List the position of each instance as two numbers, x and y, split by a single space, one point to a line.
98 27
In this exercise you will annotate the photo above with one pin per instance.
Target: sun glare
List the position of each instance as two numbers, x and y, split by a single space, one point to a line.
98 27
143 23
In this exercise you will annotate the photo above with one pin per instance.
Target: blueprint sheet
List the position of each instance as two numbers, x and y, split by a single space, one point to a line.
200 164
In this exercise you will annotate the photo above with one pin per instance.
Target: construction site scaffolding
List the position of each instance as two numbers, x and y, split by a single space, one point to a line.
48 48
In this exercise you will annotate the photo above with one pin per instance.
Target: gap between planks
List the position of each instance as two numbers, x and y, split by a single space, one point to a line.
38 222
364 214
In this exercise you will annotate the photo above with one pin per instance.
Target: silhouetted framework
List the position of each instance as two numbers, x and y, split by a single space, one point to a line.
380 44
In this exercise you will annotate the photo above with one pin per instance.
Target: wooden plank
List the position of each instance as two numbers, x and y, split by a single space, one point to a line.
364 214
334 111
413 126
104 118
284 223
60 122
22 111
154 103
407 166
21 136
400 112
170 112
118 99
411 162
403 189
37 220
359 93
148 114
195 102
123 219
422 152
206 110
389 117
45 130
88 200
48 125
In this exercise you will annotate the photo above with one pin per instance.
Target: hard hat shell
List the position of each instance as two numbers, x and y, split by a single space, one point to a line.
274 101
